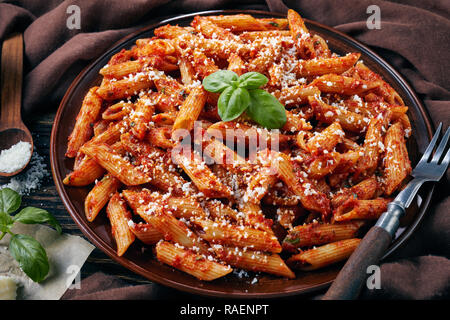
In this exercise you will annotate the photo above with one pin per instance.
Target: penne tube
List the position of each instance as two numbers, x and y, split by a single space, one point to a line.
323 165
171 228
236 64
329 114
99 196
373 145
396 163
126 87
161 137
221 211
115 164
101 126
314 234
88 114
172 88
154 163
364 190
254 260
296 95
259 184
327 139
145 232
295 122
301 35
318 67
190 110
245 22
323 256
182 207
164 118
141 117
190 262
201 175
239 236
333 83
211 47
117 111
286 198
203 65
321 47
86 173
251 36
383 89
112 134
254 217
361 209
287 215
118 216
310 198
211 30
246 135
120 70
187 71
223 155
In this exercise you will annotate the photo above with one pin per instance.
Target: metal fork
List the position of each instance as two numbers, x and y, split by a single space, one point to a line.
353 275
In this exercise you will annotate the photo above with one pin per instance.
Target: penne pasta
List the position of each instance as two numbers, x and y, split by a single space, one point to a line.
145 232
315 234
323 256
395 162
88 114
190 262
254 260
190 110
118 216
360 209
99 196
240 236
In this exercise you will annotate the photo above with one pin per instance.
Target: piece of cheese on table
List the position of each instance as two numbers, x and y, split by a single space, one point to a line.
8 288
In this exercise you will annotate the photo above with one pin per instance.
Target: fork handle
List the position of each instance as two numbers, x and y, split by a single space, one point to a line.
353 275
351 278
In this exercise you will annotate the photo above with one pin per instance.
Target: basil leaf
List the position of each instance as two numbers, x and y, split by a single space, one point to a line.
31 256
266 110
6 221
232 102
9 200
30 215
252 80
219 80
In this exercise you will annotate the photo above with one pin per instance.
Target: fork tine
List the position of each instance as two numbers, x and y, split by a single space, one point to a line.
430 147
446 160
442 145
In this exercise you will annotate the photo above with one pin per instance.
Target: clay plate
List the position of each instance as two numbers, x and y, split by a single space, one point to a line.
231 286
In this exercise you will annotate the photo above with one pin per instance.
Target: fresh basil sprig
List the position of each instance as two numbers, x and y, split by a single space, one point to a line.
243 93
27 251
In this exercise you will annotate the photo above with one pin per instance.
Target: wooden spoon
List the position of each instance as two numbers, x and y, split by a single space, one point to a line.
12 129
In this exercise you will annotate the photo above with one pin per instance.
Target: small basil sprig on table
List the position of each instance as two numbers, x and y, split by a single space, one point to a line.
27 251
243 93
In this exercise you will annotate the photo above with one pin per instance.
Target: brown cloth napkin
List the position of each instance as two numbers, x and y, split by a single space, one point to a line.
414 38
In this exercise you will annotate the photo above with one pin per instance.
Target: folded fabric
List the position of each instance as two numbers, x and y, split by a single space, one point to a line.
414 38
